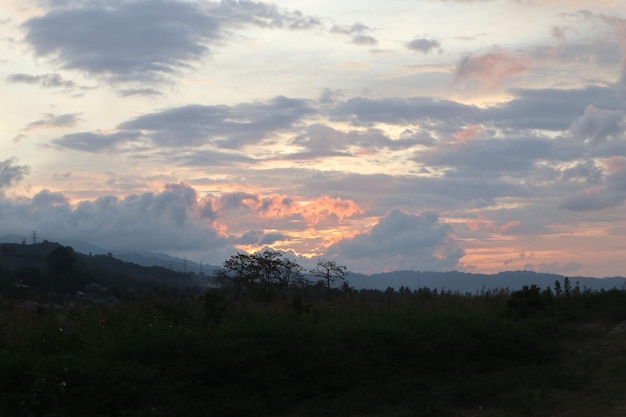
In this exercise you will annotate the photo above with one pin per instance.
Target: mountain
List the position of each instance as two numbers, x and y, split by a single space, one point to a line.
472 283
450 281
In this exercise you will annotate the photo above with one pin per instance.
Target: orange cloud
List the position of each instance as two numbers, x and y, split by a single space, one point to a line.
483 224
323 207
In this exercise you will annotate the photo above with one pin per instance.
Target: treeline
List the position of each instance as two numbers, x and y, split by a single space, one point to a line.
51 273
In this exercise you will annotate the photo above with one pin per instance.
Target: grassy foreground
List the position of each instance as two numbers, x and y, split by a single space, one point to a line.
361 354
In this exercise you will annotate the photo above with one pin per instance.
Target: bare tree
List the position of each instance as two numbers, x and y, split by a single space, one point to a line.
329 272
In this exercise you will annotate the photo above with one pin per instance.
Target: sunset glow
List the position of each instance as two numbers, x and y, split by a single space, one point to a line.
432 135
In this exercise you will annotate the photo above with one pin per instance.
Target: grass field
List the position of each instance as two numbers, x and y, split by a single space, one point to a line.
365 353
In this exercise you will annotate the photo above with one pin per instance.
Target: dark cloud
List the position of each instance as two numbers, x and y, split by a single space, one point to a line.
135 40
424 45
403 240
45 80
224 126
164 221
11 173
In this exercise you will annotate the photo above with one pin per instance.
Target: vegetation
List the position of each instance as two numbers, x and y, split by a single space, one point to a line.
267 342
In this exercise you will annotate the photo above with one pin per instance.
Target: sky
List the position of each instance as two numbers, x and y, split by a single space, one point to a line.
479 136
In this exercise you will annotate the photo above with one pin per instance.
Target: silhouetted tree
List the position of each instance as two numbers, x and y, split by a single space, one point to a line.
329 272
263 273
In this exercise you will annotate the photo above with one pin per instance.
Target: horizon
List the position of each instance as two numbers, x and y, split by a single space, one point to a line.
437 135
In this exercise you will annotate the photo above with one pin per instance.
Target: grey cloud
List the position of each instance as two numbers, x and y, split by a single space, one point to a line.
324 141
364 40
94 142
358 33
259 237
11 173
262 14
137 40
551 109
349 30
46 80
162 221
363 111
492 155
424 45
146 40
53 121
592 199
598 125
225 126
403 240
128 92
587 171
270 238
205 157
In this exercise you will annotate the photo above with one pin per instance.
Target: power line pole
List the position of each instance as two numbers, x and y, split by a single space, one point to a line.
34 237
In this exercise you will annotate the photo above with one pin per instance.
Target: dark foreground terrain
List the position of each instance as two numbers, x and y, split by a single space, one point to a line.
368 353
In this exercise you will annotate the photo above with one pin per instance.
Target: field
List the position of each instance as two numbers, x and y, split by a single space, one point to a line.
357 353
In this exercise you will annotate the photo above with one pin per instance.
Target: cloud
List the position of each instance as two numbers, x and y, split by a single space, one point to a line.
45 80
126 41
424 45
236 205
163 221
261 14
95 142
259 238
11 173
487 156
490 68
358 32
49 121
146 40
321 140
402 240
128 92
550 108
598 125
482 224
225 126
52 121
592 199
405 111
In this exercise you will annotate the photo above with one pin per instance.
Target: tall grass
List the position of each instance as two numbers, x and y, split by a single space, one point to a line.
367 353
